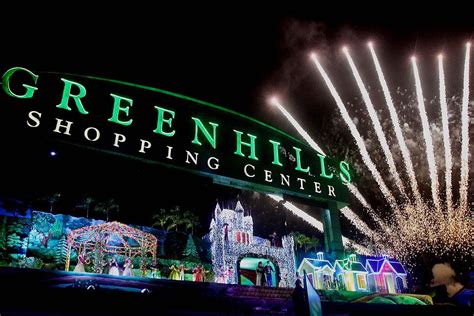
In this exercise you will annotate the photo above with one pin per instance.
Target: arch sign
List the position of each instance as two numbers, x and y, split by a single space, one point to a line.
170 129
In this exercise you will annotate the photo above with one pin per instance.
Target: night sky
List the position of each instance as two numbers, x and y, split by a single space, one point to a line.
234 59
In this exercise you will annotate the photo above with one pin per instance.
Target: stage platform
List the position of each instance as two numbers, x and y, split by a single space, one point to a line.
45 292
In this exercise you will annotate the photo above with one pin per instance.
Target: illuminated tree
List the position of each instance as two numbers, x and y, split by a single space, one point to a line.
53 199
61 251
3 234
175 219
303 242
190 221
190 252
311 243
160 219
14 241
107 208
86 204
57 229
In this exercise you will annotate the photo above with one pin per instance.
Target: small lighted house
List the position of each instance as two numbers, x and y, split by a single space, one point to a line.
386 275
320 271
350 274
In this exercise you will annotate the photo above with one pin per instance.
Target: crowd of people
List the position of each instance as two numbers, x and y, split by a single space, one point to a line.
108 267
264 273
177 272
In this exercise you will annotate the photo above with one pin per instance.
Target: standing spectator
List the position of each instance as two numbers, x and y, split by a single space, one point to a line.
299 299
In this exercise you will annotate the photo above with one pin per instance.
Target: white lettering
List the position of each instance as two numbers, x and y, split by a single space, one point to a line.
59 125
268 175
144 145
193 158
34 118
168 156
331 191
86 134
317 187
119 138
246 172
302 182
285 179
215 165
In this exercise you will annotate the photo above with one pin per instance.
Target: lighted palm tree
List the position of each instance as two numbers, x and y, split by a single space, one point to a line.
175 219
190 221
86 203
311 243
304 242
53 199
160 219
107 208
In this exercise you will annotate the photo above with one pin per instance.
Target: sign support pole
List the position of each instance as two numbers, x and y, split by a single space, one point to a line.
332 231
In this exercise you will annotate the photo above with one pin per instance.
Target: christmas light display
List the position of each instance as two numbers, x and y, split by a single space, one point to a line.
111 238
386 275
231 235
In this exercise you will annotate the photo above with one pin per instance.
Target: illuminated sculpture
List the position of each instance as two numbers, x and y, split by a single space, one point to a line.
231 235
386 275
351 274
320 271
111 238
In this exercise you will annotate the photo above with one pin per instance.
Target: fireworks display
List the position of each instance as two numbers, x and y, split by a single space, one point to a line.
418 225
430 157
463 185
376 123
446 140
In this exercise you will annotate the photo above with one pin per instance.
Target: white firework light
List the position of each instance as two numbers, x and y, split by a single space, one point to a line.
431 225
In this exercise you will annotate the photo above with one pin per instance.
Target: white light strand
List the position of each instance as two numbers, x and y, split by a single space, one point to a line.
313 221
446 139
297 126
464 182
427 137
349 214
359 141
398 131
376 124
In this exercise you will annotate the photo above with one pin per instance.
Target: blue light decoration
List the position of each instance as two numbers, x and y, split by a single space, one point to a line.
319 271
379 274
52 153
386 275
351 274
231 236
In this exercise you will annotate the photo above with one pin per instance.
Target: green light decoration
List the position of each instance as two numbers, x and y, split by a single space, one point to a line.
67 95
323 168
276 155
298 160
199 126
250 144
118 108
182 97
270 154
30 90
162 120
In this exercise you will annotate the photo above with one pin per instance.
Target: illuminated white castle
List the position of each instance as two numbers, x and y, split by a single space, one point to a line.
231 236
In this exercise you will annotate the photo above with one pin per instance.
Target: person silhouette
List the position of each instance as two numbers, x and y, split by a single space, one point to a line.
127 267
268 274
260 271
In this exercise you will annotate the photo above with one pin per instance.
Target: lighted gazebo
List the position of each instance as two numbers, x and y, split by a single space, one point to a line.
112 238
